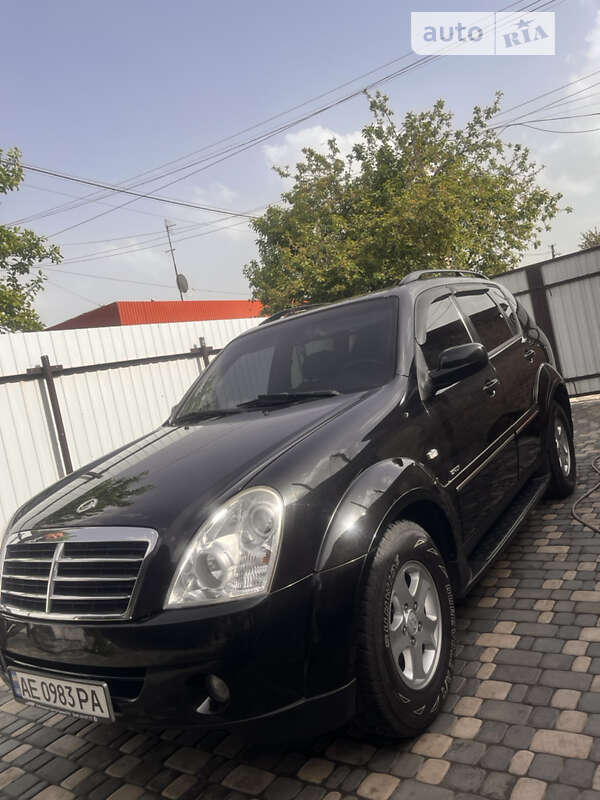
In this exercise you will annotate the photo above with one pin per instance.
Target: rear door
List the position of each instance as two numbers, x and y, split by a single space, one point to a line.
495 325
473 454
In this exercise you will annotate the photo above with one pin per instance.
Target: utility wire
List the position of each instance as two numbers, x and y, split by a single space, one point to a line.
553 130
138 195
141 283
241 147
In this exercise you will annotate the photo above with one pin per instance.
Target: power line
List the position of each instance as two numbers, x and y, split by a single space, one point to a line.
241 147
553 130
141 283
552 119
138 195
75 294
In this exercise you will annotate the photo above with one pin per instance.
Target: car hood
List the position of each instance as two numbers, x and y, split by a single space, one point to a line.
174 476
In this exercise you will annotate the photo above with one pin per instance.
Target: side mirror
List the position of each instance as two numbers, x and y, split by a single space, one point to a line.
457 363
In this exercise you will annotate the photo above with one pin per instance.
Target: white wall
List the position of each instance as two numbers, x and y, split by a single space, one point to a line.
101 410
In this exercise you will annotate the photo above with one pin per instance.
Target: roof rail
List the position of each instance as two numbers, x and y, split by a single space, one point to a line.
460 273
288 312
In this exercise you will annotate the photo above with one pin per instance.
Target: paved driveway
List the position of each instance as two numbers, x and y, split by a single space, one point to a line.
522 720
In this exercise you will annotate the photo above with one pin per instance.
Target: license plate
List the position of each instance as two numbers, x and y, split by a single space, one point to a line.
89 699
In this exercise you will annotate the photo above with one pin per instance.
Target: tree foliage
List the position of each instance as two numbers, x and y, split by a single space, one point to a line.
589 238
20 251
417 195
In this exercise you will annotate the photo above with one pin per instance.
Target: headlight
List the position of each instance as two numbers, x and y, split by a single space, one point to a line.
233 554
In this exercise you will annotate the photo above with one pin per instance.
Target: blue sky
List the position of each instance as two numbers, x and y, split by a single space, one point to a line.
108 90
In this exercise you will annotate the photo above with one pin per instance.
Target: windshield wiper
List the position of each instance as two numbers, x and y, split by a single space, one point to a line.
197 416
283 398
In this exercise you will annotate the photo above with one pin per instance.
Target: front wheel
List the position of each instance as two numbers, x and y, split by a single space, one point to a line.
406 634
560 452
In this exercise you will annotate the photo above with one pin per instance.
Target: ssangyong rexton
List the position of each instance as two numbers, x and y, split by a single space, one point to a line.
287 547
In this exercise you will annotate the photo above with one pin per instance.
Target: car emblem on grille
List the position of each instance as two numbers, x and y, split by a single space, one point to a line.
87 506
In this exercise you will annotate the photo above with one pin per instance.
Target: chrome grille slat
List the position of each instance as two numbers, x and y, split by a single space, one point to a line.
83 573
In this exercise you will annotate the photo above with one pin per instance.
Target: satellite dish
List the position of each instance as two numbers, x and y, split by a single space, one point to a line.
182 283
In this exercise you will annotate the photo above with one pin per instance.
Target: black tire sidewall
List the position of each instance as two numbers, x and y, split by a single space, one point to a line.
561 485
409 709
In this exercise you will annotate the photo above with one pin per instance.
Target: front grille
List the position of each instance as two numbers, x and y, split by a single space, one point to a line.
74 574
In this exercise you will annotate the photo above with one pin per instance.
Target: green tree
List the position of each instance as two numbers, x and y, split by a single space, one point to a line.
20 251
589 238
419 195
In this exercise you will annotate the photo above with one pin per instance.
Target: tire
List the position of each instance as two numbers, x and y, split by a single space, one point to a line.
392 702
561 464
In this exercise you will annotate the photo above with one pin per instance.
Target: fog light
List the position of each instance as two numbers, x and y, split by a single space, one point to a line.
218 689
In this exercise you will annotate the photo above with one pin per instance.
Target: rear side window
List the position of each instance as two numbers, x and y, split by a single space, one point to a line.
490 325
509 311
445 328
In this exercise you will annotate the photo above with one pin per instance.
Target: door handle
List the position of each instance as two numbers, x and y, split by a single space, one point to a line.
490 386
529 355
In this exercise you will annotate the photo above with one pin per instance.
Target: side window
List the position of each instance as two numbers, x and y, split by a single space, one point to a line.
490 325
445 329
509 311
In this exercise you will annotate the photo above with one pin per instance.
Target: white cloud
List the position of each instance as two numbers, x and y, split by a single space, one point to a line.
289 152
593 42
214 194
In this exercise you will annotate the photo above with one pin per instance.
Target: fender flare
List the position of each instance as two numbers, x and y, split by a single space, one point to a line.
549 383
373 499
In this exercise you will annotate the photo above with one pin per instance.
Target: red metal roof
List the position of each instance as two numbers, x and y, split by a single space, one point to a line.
149 311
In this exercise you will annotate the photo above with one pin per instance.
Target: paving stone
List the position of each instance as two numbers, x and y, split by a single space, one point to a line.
248 780
565 698
466 727
492 732
573 721
465 752
497 758
512 713
433 770
187 759
569 745
177 788
464 778
413 790
378 786
406 765
546 767
284 788
9 775
54 793
432 745
528 789
560 792
497 785
127 792
468 706
520 762
316 770
578 773
518 737
66 745
350 751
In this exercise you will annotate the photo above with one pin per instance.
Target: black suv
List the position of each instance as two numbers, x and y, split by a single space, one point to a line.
289 545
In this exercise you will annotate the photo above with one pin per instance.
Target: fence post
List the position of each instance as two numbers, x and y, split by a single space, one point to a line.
203 351
47 372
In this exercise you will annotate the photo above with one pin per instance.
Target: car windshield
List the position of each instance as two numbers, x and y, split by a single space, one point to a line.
339 350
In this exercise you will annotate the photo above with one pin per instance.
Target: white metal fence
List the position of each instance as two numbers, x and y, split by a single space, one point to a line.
102 407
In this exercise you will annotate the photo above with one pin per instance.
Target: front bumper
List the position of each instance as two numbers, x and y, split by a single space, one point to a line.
156 669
